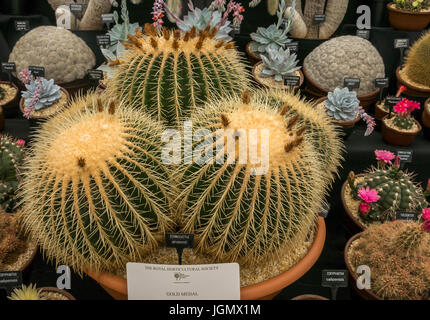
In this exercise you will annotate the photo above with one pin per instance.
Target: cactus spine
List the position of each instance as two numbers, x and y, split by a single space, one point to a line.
95 192
417 67
168 74
238 215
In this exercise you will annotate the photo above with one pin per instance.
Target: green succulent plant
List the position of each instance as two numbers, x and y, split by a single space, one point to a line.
110 57
278 63
342 104
120 31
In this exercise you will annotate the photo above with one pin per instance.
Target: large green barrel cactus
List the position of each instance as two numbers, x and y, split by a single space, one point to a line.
417 67
246 209
169 73
95 191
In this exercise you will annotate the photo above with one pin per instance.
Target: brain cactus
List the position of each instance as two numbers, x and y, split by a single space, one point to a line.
12 155
64 56
278 64
95 192
345 57
417 67
169 74
242 210
47 92
399 269
342 104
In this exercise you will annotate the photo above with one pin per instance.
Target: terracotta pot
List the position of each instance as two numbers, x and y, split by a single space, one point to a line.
317 91
379 113
14 101
426 119
407 20
364 293
73 87
396 137
352 223
309 297
302 78
21 105
410 88
253 58
117 286
56 290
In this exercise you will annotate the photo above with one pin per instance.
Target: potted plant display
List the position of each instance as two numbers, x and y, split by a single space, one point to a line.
400 128
398 255
8 99
376 195
409 15
31 292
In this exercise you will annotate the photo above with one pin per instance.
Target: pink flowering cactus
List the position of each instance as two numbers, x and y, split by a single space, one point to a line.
368 195
384 156
364 208
21 143
426 218
405 107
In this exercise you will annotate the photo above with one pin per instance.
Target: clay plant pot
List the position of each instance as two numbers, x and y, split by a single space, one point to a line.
266 290
426 119
9 107
38 117
364 293
1 119
315 90
58 291
253 58
407 20
411 89
309 297
379 114
353 224
396 137
282 86
347 126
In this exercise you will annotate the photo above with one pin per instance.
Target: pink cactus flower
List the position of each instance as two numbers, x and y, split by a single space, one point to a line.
426 225
21 143
426 213
364 208
384 156
368 195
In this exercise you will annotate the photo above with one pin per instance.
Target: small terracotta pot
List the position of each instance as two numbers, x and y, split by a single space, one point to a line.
379 113
56 290
426 119
253 58
22 108
352 223
309 297
266 290
364 293
254 72
396 137
317 91
410 88
14 101
407 20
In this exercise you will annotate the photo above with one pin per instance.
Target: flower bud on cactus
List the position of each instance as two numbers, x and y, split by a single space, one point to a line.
168 74
237 211
95 191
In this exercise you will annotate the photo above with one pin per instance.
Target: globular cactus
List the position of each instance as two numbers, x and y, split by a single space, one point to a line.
169 74
11 157
95 192
9 240
402 122
417 67
244 210
399 271
26 293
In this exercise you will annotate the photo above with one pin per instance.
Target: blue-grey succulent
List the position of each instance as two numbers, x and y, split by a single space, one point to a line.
342 104
202 18
279 63
48 94
111 56
272 37
120 31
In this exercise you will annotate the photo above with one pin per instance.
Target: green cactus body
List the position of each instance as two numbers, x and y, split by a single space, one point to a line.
417 67
402 122
11 157
169 74
236 214
397 192
95 192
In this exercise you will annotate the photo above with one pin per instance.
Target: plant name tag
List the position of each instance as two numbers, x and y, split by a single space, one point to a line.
365 34
381 83
407 215
37 71
107 18
401 43
292 46
351 83
319 17
76 8
103 40
10 280
291 81
95 75
405 155
337 278
183 282
22 25
8 67
391 101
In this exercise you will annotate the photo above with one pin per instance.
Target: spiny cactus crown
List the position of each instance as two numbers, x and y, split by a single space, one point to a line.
95 191
410 239
279 63
168 74
342 104
25 293
417 67
9 241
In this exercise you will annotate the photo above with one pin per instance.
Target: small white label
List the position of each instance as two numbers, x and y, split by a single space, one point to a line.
183 282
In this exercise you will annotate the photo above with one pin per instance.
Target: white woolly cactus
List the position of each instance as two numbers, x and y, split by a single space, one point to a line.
278 64
245 210
95 193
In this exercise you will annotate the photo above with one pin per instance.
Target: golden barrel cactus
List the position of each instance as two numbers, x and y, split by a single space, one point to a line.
417 67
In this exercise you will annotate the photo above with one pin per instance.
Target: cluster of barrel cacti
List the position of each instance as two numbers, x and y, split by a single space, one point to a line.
398 255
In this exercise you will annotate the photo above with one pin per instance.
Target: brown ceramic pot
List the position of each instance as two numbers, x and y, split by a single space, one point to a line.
253 58
407 20
309 297
59 291
254 74
117 286
379 112
410 88
396 137
352 223
426 119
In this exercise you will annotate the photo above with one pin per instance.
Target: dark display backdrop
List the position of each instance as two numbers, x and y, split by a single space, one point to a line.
359 149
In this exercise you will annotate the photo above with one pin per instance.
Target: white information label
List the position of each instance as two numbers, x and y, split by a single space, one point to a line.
183 282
